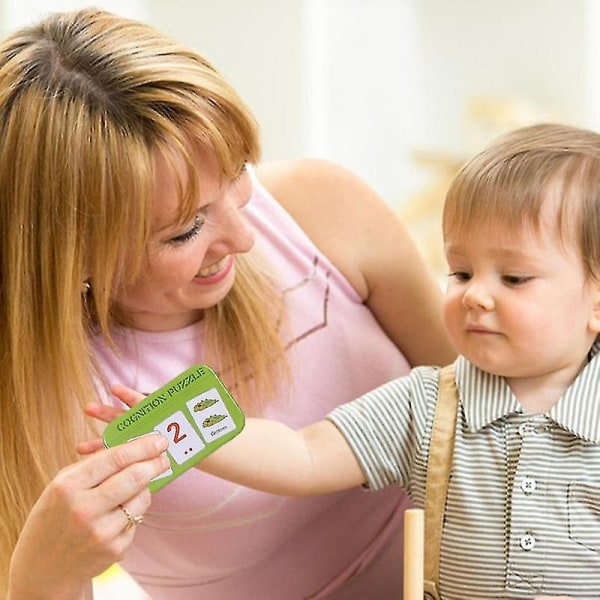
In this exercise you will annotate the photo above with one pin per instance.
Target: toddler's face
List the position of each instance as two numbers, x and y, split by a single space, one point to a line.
519 303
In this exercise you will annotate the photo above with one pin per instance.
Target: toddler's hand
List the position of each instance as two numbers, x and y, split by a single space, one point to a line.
106 413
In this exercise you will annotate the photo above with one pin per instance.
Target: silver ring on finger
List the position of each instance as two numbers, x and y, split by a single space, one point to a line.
132 520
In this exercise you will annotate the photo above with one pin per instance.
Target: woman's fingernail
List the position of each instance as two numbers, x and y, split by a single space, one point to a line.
162 443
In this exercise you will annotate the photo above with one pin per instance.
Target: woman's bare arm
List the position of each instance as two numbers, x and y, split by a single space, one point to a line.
371 247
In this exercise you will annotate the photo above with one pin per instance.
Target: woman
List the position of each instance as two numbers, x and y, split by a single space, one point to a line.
137 240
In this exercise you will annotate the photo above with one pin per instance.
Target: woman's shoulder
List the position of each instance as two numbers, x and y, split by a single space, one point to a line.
304 184
332 205
363 237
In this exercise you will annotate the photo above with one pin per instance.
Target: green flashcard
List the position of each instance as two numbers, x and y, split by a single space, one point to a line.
194 411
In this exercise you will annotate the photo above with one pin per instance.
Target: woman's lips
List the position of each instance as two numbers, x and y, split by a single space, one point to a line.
216 272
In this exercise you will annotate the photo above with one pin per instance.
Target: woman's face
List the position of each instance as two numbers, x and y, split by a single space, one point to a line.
189 268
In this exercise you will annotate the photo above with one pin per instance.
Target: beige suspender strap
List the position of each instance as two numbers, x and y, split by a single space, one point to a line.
438 475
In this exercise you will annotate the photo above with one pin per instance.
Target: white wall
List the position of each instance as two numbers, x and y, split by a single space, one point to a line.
369 82
399 75
591 54
261 47
532 49
15 13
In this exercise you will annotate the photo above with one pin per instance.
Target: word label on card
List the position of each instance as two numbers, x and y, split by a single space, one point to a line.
194 411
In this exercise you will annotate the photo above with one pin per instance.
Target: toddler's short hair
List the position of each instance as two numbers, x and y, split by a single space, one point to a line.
507 185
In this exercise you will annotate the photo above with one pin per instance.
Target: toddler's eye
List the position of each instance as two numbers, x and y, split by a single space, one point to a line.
516 279
460 275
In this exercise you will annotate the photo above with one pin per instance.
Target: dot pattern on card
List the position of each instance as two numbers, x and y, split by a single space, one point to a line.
194 411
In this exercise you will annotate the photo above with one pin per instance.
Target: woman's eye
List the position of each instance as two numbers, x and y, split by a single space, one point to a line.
188 235
241 171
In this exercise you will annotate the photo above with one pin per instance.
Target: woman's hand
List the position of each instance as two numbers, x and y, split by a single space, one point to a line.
79 525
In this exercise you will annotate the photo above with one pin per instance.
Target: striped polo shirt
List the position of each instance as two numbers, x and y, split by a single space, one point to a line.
523 508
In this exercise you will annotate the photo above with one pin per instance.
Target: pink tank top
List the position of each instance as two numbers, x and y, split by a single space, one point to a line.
208 539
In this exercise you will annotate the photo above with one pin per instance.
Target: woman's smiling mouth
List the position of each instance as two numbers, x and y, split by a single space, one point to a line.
215 272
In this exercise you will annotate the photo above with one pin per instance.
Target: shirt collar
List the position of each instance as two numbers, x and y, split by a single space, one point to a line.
578 410
486 398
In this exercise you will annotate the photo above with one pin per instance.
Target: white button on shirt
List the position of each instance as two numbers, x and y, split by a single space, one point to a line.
528 542
528 485
525 428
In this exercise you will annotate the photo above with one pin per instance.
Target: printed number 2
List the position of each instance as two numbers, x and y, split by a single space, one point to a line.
177 429
178 437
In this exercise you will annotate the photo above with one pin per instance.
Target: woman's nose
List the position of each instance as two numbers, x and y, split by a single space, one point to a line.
236 233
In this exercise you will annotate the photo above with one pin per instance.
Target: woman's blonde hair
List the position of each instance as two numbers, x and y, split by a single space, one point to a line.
507 185
87 100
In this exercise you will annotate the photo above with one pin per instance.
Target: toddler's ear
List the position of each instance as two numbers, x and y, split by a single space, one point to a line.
594 323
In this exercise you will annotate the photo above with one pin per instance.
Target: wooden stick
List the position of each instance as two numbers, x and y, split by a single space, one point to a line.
414 553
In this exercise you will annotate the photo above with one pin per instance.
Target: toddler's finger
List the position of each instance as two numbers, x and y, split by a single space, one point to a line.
103 412
127 395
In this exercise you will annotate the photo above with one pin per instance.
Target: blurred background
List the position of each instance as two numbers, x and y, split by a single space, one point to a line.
400 91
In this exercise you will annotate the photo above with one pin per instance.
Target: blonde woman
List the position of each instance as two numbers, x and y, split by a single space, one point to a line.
137 239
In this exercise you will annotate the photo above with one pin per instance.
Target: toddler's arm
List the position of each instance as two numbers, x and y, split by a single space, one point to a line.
267 455
273 458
